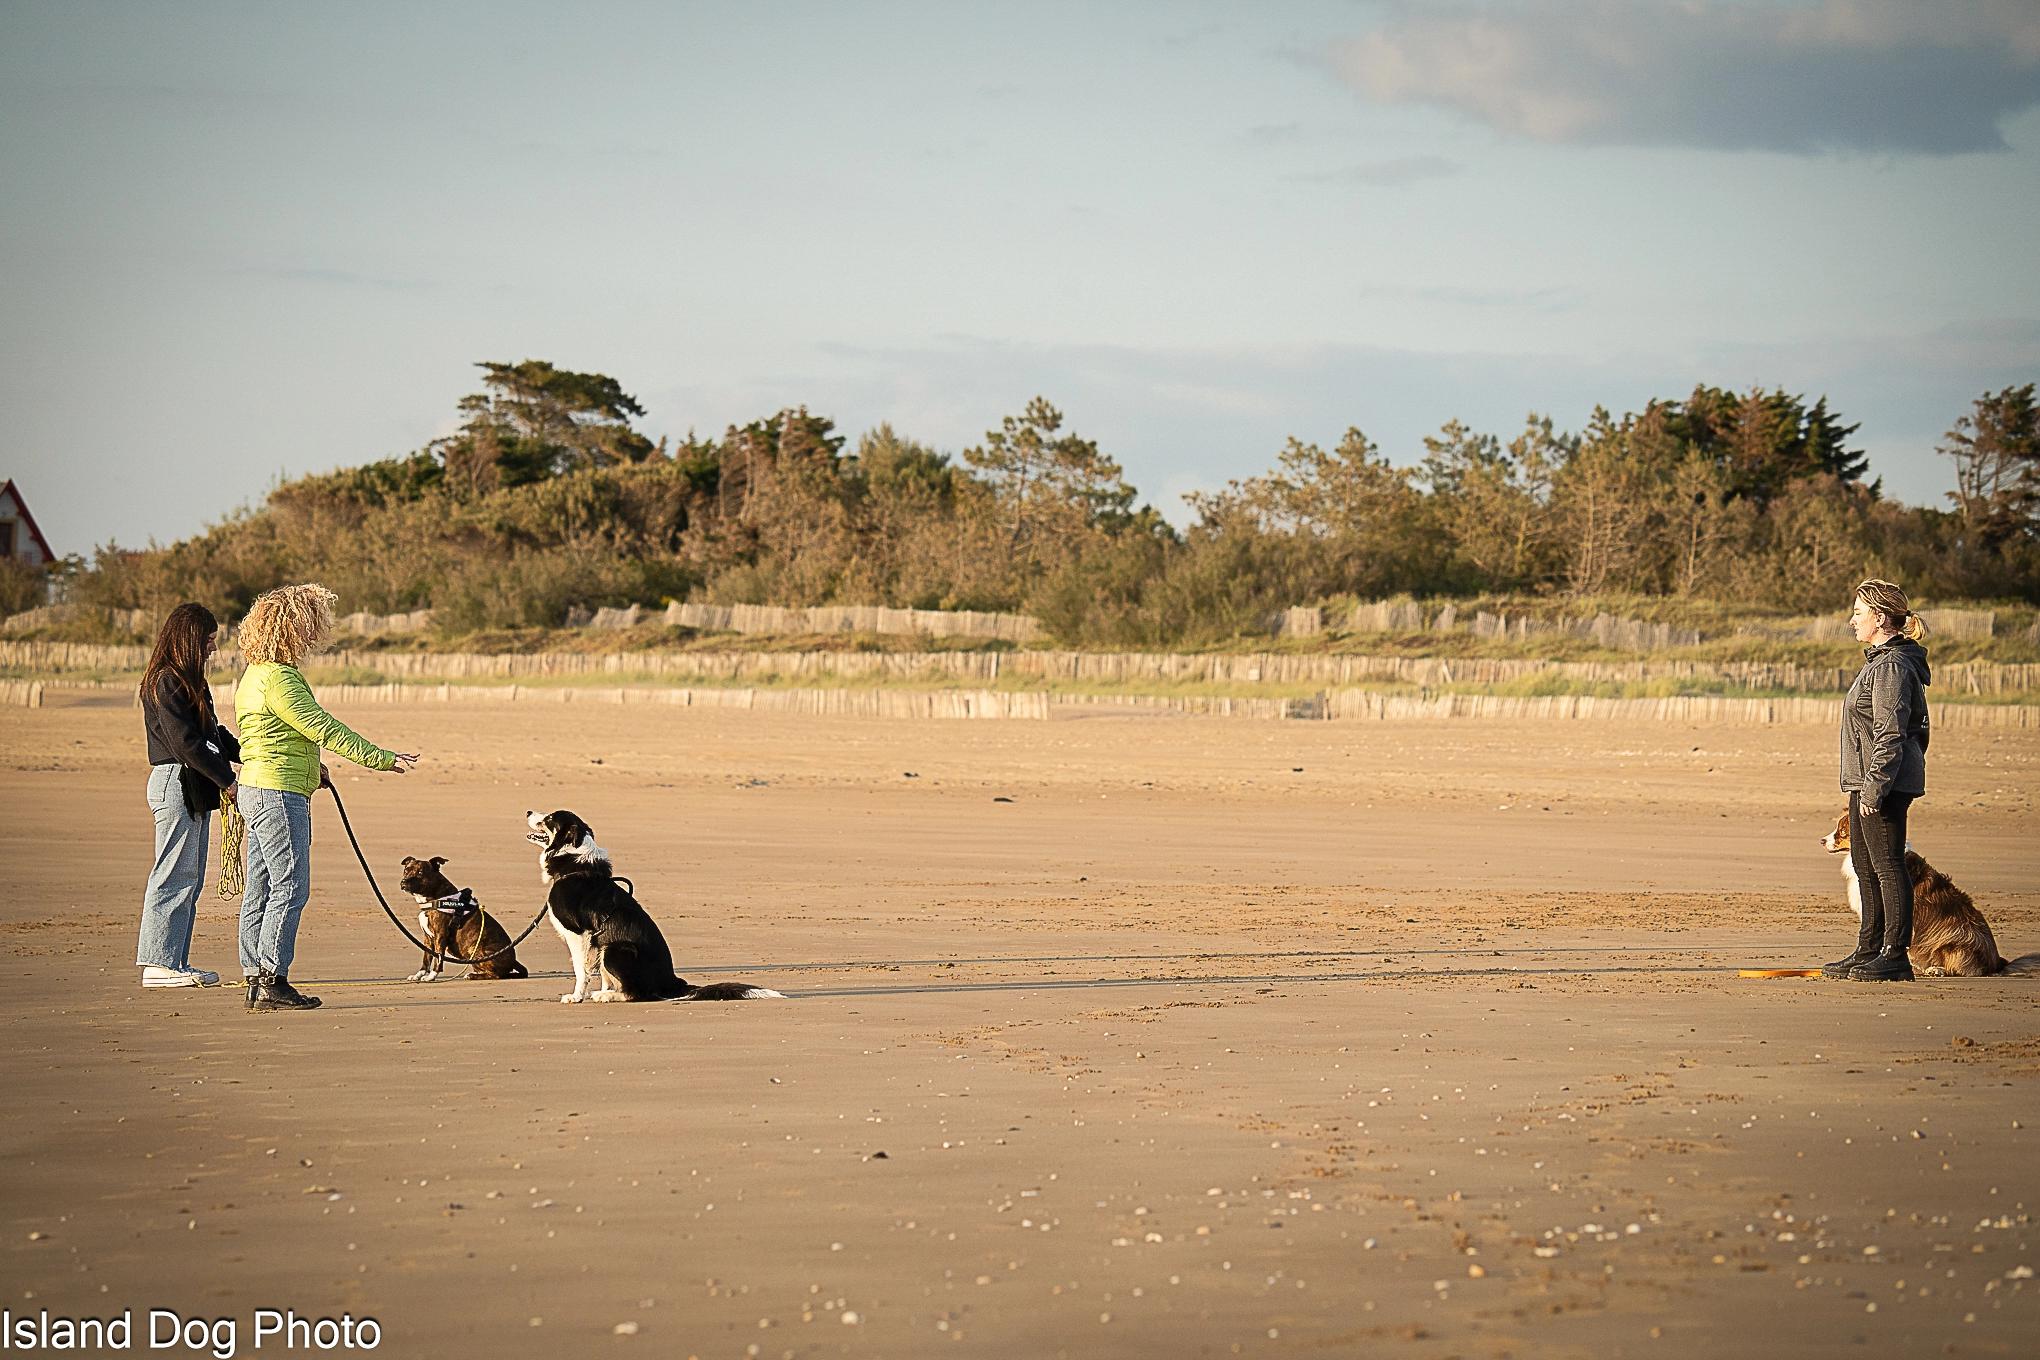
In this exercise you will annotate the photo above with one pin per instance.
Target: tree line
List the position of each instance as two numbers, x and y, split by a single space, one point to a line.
548 496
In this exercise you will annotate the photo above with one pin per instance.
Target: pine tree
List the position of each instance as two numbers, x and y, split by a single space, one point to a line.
1996 448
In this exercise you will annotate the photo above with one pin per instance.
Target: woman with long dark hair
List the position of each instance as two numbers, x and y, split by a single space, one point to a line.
190 771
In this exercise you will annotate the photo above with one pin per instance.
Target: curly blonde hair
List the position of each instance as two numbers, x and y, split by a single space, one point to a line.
287 624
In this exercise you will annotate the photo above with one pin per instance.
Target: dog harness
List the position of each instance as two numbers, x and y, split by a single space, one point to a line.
455 905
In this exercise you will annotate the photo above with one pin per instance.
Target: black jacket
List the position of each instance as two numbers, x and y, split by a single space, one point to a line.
1884 723
178 735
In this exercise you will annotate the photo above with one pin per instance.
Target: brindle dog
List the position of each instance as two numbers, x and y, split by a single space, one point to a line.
454 924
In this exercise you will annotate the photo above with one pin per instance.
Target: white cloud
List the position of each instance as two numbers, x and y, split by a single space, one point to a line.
1843 75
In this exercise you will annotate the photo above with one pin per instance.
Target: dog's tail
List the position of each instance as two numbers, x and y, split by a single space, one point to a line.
728 991
2026 965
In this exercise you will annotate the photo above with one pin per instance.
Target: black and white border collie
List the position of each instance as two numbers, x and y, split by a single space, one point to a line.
614 942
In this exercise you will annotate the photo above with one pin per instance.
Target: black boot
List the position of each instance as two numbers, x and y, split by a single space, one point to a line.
298 999
1867 942
1889 965
273 992
1861 955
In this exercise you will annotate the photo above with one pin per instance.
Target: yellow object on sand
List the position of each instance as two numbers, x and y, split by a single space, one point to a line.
1778 972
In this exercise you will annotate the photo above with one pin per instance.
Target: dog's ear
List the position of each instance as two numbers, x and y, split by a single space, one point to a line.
568 830
437 860
410 863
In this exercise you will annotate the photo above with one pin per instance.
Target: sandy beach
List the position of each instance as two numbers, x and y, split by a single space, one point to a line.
1107 1036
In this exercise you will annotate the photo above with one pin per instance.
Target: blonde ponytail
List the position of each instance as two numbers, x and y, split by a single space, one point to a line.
1894 610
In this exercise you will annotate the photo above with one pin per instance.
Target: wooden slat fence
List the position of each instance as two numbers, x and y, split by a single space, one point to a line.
21 693
1981 679
769 620
1413 616
1344 705
754 620
843 703
1370 704
54 615
1963 624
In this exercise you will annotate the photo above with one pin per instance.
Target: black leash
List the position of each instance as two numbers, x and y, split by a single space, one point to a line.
396 921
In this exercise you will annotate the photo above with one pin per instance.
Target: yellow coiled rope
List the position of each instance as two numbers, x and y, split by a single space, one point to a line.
233 852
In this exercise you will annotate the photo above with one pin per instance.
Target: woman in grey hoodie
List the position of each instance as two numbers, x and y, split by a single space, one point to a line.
1884 767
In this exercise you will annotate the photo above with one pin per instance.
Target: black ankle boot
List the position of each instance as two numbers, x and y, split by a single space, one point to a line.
273 992
1889 965
1869 939
297 998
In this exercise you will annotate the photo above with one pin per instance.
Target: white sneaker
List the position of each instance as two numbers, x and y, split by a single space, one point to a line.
153 976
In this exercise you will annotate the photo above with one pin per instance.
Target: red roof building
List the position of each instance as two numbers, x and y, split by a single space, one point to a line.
19 538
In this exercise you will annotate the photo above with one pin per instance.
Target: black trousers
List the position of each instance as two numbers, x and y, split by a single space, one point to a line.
1877 850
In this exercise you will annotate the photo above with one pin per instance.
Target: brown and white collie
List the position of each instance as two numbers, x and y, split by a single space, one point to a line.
1950 936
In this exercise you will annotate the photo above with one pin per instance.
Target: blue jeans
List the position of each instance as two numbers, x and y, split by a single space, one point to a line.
279 877
170 902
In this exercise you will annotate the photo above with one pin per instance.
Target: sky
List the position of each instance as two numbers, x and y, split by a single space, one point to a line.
240 242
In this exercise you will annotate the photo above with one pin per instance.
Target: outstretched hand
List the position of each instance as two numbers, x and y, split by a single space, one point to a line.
405 760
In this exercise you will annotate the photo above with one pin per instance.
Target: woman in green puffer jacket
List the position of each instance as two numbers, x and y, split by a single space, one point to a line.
282 730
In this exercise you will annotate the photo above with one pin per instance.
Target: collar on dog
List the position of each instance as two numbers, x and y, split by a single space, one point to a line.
454 904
